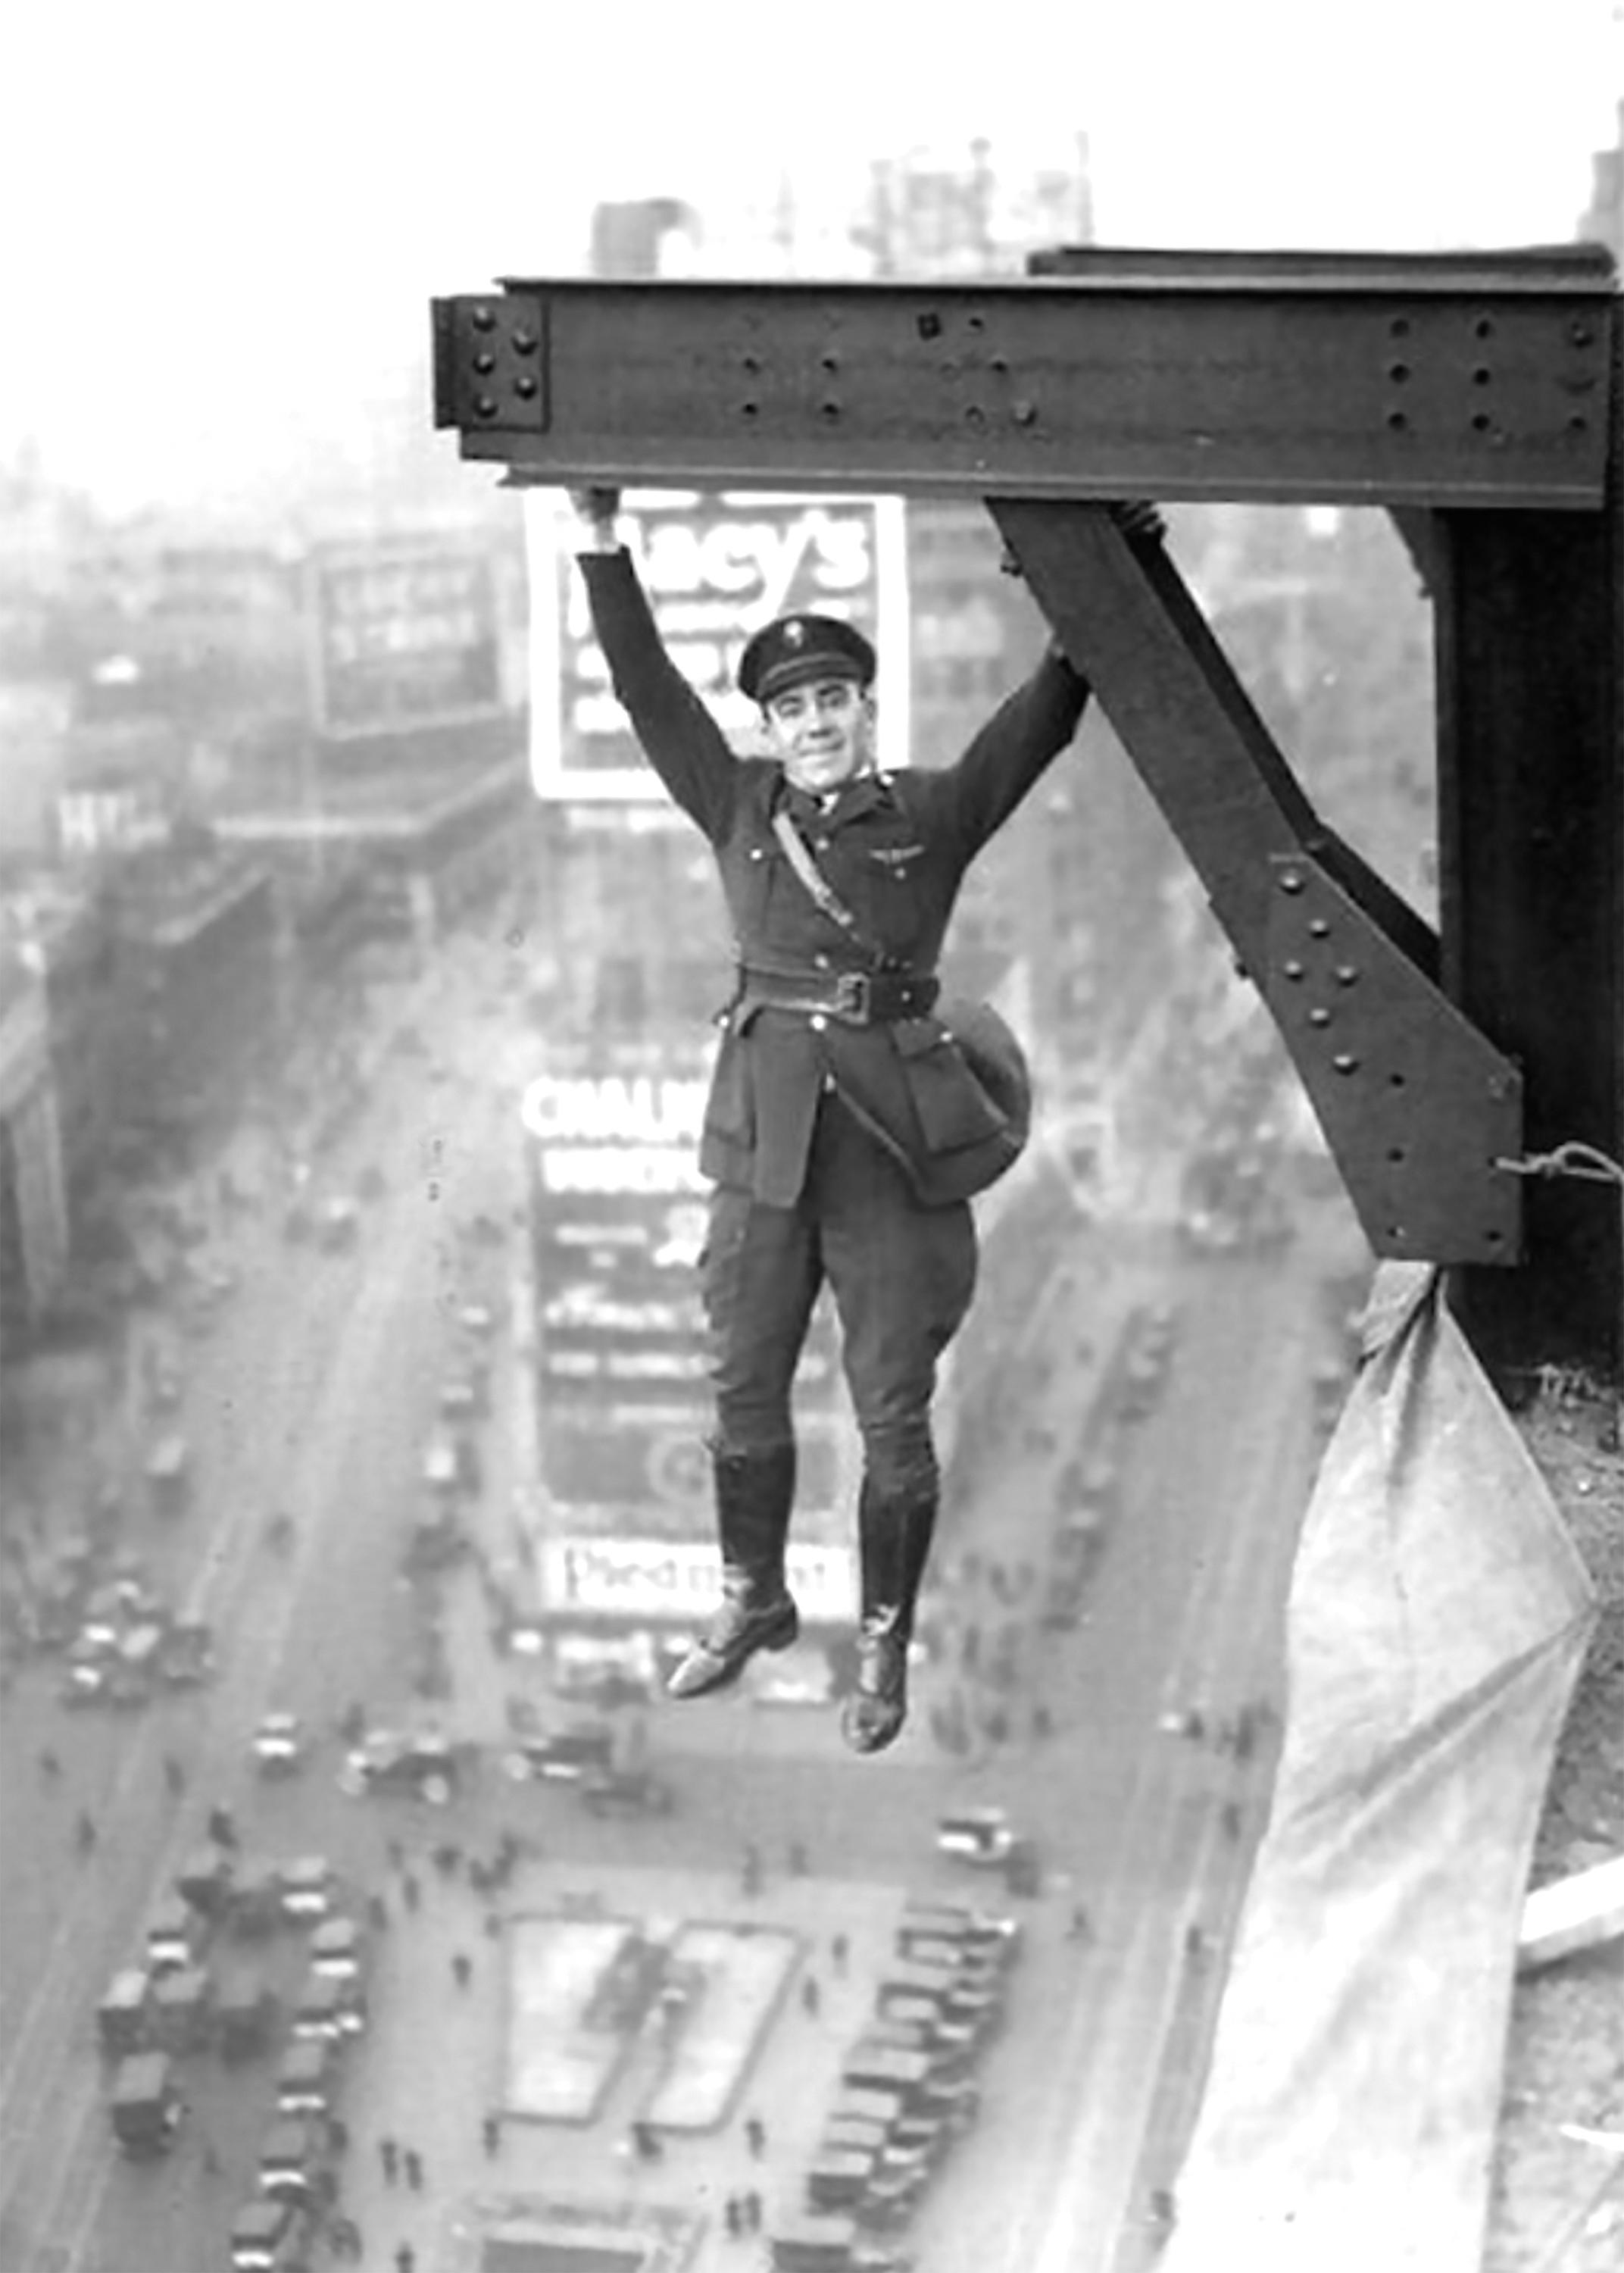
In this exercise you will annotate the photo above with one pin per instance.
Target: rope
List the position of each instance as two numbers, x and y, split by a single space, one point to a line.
1582 1161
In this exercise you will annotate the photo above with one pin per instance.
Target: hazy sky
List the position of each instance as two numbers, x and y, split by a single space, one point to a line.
221 222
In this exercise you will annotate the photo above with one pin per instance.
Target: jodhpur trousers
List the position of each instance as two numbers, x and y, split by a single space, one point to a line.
901 1276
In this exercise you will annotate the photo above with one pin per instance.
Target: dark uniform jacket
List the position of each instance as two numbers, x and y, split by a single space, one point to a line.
895 847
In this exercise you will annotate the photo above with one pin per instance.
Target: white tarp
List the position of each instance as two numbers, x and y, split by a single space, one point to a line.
1438 1620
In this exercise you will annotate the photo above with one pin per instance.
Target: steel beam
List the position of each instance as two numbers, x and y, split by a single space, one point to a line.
1465 382
1530 658
1416 1105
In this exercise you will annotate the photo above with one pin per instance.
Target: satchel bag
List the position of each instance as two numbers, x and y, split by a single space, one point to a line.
966 1075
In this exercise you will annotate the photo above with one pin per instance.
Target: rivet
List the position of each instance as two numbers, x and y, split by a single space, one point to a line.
753 363
1346 974
524 343
1025 413
486 406
829 362
525 385
974 416
830 409
1292 882
484 362
483 320
930 327
1319 1015
1318 928
1580 334
1000 363
1293 969
1395 1155
750 410
1345 1062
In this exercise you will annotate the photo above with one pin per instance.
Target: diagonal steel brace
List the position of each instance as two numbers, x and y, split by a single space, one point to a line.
1416 1104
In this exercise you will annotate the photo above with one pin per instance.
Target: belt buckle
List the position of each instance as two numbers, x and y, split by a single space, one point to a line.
852 996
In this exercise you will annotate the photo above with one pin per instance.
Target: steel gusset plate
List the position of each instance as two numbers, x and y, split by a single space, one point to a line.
1416 1104
490 361
1424 1102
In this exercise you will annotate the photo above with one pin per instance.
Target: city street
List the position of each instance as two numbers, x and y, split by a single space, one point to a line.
313 1392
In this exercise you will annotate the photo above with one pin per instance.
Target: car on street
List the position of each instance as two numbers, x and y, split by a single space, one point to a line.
308 1888
982 1836
266 2233
307 2076
123 2020
464 1396
168 1474
205 1879
294 2156
186 1655
146 2106
565 1756
177 1936
280 1745
329 2008
426 1766
626 1791
337 1949
957 1923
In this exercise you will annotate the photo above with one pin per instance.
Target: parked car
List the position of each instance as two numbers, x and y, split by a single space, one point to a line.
626 1791
425 1766
123 2017
294 2156
168 1474
183 2009
307 2076
145 2107
280 1746
565 1756
326 2008
979 1835
186 1655
205 1879
177 1936
266 2234
337 1949
308 1888
256 1908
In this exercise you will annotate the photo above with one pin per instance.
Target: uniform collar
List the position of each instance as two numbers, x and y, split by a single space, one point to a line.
868 793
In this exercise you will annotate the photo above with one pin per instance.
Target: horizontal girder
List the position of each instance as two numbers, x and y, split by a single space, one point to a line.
1281 378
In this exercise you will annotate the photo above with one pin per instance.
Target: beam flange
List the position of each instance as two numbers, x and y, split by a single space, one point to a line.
1288 378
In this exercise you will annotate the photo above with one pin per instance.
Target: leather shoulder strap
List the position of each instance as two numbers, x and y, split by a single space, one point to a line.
799 855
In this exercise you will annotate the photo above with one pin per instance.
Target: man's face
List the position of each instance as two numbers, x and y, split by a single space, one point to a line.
822 732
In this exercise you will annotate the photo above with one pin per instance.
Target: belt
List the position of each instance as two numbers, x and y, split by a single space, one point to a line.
862 998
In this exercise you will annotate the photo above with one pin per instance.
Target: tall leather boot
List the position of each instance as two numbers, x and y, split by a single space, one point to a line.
755 1492
894 1544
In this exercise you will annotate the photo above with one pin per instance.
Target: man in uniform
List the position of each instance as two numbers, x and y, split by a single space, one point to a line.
842 1131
